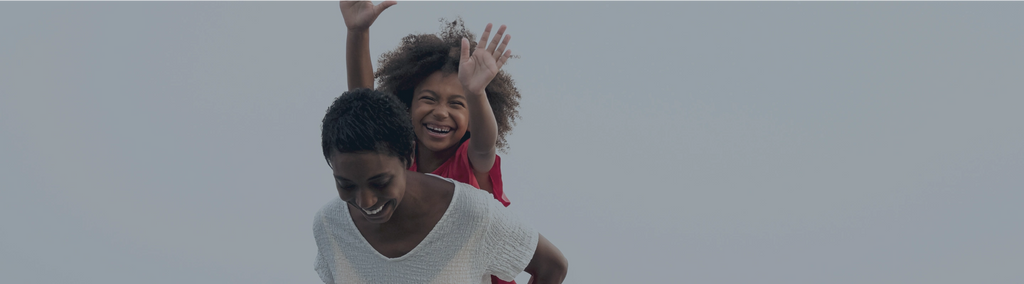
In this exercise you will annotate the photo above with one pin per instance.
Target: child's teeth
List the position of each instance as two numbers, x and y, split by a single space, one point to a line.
439 129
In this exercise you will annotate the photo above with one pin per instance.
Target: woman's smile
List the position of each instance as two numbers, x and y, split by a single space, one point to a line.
375 211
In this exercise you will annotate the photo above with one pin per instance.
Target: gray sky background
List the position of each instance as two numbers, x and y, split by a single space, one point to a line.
659 142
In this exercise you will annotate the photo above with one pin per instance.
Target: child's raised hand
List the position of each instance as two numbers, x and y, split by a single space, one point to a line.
476 71
359 15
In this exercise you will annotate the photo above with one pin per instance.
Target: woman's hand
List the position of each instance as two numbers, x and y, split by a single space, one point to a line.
359 15
476 71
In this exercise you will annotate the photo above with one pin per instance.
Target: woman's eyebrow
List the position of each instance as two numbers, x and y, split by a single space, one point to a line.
380 176
375 177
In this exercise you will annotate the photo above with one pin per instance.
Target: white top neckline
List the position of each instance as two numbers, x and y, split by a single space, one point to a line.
444 217
475 238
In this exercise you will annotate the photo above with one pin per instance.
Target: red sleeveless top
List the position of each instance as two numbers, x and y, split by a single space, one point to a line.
458 168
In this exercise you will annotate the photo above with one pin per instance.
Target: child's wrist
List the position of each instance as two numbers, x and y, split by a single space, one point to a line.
480 93
358 31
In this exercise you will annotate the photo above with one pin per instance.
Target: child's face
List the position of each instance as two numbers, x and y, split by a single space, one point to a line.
371 183
438 111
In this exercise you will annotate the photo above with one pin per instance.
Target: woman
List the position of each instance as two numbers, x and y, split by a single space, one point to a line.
393 225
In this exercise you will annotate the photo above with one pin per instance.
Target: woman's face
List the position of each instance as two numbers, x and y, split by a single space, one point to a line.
370 183
438 111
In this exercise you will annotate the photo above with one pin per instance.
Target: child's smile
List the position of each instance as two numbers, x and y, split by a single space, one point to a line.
439 113
436 130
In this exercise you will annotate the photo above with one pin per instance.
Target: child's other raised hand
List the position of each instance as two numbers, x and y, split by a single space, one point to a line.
476 71
359 15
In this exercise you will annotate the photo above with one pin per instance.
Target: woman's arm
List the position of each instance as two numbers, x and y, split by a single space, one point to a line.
359 15
475 72
548 264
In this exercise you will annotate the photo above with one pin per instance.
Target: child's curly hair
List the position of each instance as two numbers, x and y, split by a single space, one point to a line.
420 55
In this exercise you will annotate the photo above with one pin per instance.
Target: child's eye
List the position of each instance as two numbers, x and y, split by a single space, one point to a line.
380 185
428 99
459 104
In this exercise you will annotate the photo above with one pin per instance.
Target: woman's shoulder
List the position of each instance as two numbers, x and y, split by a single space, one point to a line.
330 216
477 202
468 196
332 207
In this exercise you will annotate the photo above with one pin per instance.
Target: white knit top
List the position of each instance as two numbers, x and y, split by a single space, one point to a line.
475 238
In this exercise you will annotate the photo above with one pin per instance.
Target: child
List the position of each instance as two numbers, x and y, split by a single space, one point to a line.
449 94
393 225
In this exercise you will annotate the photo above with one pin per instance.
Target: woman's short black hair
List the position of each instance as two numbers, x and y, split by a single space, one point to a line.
367 120
420 55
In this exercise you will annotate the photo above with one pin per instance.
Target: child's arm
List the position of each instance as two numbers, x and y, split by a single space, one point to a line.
359 15
475 72
548 264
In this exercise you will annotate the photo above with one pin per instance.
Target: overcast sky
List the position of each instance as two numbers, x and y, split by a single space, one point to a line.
659 142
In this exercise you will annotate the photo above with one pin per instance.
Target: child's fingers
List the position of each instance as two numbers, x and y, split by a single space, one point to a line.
483 37
494 42
464 56
383 5
504 58
501 48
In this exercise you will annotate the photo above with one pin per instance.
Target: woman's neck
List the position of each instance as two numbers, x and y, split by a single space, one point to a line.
424 196
427 161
